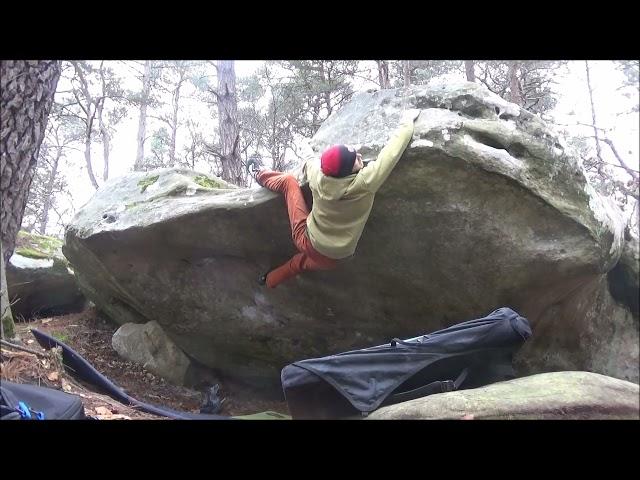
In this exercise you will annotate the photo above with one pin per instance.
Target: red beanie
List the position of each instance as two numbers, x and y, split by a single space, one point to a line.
337 161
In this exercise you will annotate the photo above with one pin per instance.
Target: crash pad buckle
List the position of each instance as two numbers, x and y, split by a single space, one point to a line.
25 412
448 386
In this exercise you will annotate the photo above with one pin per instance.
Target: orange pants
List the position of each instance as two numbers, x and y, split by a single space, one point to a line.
309 258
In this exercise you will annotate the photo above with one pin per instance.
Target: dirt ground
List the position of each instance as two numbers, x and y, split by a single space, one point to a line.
90 335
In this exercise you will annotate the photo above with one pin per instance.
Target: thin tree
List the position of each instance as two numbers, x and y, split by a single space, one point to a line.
469 70
175 75
406 68
593 117
383 74
142 119
228 152
47 182
526 83
515 89
88 105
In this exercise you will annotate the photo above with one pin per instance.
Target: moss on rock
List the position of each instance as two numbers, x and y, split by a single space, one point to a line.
145 182
31 253
41 247
208 182
36 246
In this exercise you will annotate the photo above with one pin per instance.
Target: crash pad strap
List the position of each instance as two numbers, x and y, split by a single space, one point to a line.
429 389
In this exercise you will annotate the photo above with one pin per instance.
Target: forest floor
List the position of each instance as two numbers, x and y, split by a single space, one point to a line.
89 334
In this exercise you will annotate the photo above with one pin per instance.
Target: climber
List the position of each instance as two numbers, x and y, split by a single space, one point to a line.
343 191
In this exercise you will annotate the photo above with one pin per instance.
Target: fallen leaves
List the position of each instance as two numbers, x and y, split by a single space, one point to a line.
47 369
103 413
116 416
18 365
65 386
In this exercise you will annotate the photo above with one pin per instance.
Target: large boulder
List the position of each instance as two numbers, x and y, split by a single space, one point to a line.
547 396
39 279
487 208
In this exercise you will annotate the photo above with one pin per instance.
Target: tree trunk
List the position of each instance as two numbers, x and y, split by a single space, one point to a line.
228 123
406 67
142 121
7 327
469 70
27 88
315 119
87 157
174 124
383 74
106 138
593 117
48 193
515 93
27 91
89 121
103 130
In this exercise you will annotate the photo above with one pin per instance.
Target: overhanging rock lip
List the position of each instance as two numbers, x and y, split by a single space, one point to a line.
26 263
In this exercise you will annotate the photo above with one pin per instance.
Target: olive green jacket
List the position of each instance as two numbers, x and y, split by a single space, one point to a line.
341 206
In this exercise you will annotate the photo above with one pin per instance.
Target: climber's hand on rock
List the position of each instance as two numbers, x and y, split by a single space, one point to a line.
409 116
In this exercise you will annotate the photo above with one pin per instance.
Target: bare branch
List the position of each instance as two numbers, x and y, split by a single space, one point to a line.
610 164
75 94
217 95
163 119
591 126
213 150
593 110
629 170
24 349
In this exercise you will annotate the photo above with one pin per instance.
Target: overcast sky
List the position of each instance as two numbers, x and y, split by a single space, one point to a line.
573 107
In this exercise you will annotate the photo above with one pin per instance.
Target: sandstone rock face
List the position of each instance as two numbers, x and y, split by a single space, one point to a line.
547 396
485 209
